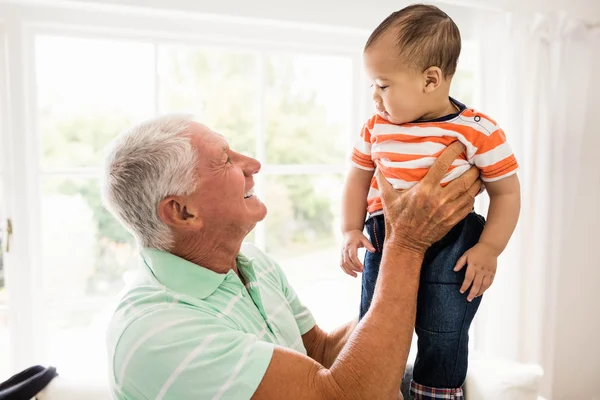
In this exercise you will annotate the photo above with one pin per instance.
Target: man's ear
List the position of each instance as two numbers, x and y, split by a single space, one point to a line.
178 212
432 78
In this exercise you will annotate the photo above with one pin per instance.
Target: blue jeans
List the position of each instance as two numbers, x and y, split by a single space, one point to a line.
443 314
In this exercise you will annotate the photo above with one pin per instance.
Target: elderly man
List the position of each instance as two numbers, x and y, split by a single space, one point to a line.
209 318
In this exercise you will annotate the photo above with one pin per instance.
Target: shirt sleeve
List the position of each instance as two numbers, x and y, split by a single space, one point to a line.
361 153
302 315
494 157
185 355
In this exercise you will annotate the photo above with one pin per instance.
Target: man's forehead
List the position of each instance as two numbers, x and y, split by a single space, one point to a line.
206 136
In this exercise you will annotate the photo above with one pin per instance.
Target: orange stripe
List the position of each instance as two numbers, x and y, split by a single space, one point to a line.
399 137
407 174
470 134
500 168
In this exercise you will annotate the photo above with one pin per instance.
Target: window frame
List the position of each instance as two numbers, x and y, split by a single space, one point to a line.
22 175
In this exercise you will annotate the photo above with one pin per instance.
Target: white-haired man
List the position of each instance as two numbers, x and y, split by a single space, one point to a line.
210 319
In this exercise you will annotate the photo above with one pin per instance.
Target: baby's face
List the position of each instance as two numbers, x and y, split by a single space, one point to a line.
398 92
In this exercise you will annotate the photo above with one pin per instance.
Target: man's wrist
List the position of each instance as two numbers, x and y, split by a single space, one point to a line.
404 244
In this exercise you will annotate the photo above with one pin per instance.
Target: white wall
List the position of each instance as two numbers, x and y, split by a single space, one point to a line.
576 363
354 13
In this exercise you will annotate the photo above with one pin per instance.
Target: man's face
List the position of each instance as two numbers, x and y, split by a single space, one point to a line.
225 191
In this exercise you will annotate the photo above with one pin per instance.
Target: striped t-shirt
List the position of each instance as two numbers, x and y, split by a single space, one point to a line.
405 152
185 332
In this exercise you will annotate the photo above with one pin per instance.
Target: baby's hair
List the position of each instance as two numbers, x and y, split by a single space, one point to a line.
426 37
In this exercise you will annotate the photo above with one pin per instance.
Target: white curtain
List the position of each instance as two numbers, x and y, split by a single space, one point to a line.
535 80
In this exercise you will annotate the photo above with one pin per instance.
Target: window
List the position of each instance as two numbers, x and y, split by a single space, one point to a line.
87 91
295 108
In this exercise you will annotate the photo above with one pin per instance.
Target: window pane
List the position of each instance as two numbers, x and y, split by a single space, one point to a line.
308 109
218 86
4 333
88 91
302 228
87 259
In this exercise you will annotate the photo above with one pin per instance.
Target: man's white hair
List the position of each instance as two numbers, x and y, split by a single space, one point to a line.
143 165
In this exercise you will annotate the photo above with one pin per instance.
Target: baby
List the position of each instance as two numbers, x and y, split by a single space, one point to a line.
410 59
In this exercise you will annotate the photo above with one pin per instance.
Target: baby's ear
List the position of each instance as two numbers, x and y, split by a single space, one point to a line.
433 77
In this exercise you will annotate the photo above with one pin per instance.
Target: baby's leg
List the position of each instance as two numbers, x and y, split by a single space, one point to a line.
444 315
376 230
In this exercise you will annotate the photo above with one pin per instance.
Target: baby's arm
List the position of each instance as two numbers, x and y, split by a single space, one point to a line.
503 214
354 209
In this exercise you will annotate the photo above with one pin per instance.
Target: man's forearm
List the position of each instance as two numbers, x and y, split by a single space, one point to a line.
372 362
335 342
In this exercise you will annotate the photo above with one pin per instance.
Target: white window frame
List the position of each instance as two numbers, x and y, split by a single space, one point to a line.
22 168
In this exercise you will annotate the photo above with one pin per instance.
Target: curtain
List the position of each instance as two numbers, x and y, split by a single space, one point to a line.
536 74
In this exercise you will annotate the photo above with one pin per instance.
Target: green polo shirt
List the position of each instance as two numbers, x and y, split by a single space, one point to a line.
185 332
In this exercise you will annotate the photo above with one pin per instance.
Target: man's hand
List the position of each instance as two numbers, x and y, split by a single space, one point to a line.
420 216
353 240
481 261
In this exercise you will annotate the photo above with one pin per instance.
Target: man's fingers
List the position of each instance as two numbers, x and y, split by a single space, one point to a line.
468 183
469 275
383 184
476 287
443 163
458 215
460 263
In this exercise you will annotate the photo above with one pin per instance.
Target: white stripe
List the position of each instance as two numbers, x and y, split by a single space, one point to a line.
265 272
484 125
493 156
278 310
140 341
423 148
235 372
363 147
251 284
373 193
184 364
424 162
303 314
298 342
456 172
400 184
230 305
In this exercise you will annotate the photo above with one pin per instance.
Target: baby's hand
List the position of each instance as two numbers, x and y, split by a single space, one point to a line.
481 261
353 240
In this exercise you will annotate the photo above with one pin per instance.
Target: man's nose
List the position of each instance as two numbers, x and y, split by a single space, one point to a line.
251 166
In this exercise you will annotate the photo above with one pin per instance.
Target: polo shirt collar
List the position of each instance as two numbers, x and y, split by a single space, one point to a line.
186 277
